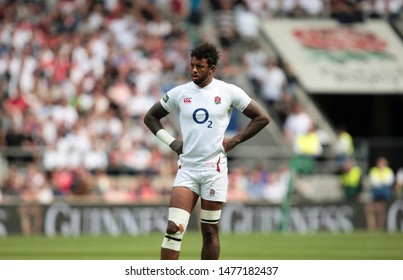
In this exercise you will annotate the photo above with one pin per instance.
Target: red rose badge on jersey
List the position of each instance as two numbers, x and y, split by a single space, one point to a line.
217 100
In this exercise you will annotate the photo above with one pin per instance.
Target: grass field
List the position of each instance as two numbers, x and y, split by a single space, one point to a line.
273 246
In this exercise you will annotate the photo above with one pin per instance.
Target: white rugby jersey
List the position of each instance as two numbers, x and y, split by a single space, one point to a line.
204 115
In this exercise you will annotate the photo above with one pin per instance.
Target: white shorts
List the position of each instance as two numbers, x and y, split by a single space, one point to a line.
208 184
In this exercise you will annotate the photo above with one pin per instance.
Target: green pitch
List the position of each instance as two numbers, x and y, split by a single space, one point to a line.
273 246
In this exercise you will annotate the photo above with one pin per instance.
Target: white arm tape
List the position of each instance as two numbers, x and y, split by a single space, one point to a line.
165 137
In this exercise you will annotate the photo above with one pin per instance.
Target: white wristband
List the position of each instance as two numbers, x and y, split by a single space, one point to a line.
164 136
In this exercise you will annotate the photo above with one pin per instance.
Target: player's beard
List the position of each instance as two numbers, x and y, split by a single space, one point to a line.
200 80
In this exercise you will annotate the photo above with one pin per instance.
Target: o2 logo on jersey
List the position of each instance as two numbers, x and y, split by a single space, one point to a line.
200 116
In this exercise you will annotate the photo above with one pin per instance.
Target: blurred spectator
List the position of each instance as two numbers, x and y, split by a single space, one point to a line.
257 181
145 191
351 180
50 183
277 187
265 9
344 145
285 107
246 23
296 123
196 12
302 8
64 114
83 182
236 194
102 182
237 185
13 182
96 158
33 182
139 102
224 19
228 70
46 194
346 11
292 80
273 82
253 61
158 26
387 9
313 8
21 143
324 136
119 92
119 194
17 102
381 179
175 59
306 148
63 180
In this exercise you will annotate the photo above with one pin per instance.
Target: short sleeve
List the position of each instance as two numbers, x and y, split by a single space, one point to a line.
240 100
168 101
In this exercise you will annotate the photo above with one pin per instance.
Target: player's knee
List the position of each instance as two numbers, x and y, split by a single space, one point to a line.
172 228
177 223
209 224
177 220
209 231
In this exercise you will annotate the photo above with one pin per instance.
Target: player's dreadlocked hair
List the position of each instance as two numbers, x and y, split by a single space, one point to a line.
207 51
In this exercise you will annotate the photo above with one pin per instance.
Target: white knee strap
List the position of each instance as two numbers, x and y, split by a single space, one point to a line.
181 218
210 216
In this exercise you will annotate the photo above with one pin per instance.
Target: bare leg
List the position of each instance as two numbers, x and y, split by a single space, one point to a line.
381 219
211 242
185 199
370 215
210 232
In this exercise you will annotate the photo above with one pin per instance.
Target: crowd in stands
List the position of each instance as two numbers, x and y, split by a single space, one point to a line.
77 76
76 79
